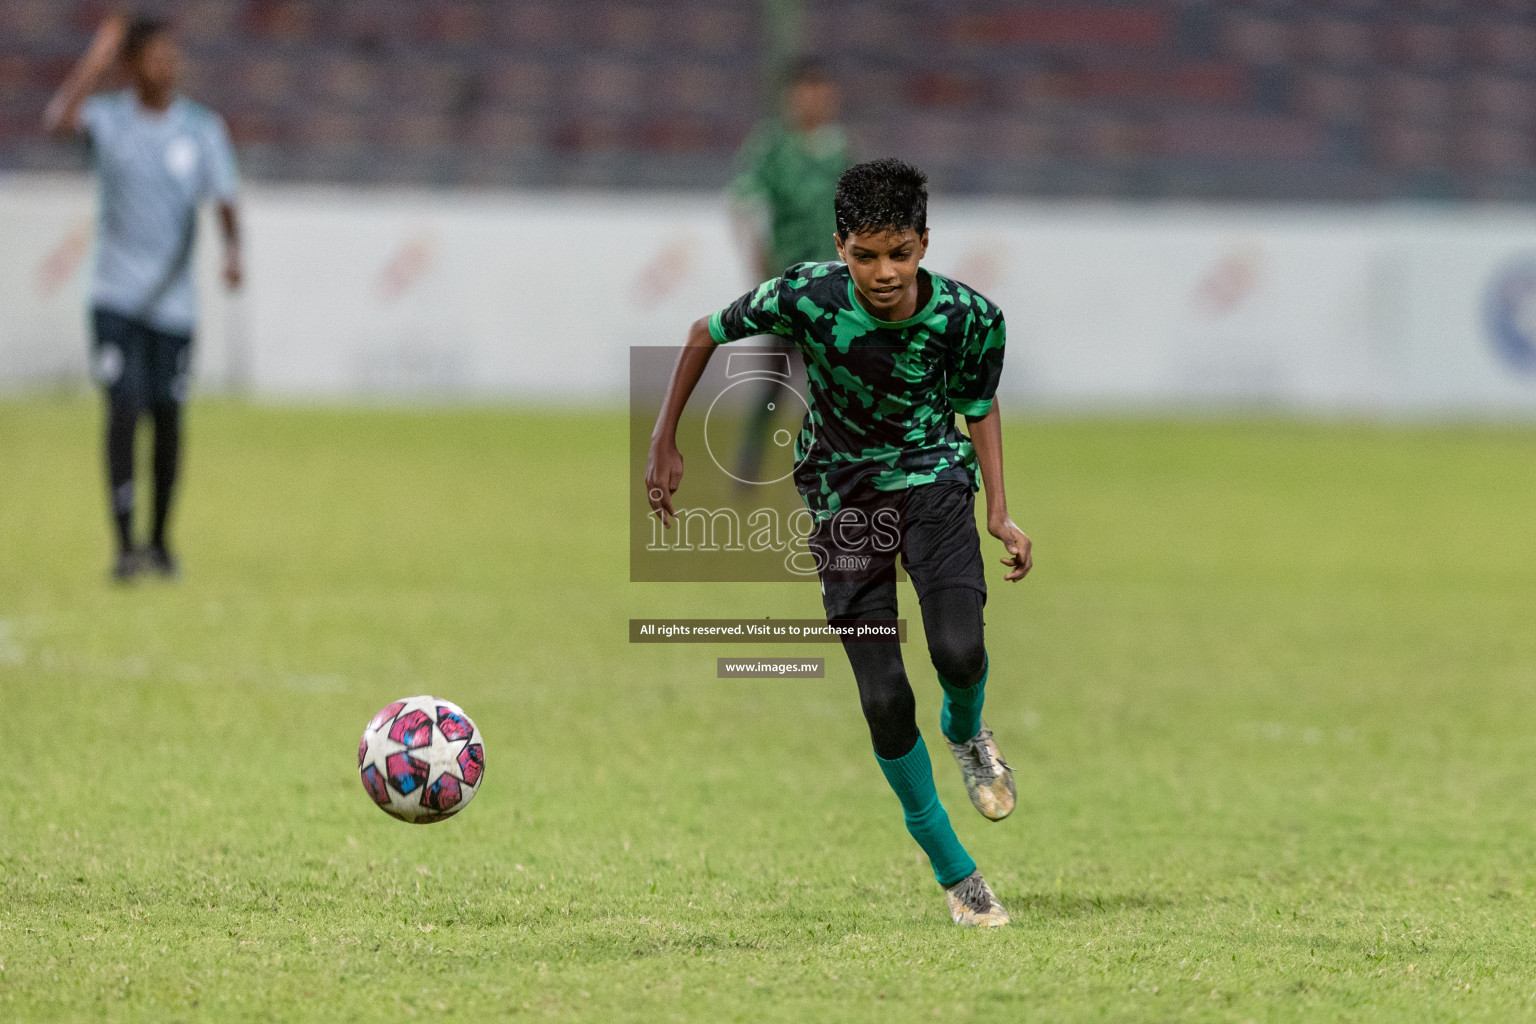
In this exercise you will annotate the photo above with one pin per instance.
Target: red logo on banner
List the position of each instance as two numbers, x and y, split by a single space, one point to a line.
406 267
662 275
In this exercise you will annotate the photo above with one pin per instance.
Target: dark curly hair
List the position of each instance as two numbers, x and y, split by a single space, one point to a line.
140 31
809 71
881 195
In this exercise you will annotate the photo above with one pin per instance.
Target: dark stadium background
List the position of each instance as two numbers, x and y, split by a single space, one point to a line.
1345 100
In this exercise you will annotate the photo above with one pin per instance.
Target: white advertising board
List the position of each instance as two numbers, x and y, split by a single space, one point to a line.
414 294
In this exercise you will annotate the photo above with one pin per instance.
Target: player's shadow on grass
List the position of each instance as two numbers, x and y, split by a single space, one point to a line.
1074 904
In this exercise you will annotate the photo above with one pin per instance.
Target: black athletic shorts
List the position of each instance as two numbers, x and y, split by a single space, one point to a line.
932 526
137 364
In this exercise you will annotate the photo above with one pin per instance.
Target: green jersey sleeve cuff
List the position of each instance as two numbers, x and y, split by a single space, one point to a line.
717 328
972 406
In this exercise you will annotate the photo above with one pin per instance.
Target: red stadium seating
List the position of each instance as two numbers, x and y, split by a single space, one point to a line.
1181 98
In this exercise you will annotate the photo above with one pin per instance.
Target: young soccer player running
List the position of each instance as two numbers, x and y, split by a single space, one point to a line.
158 157
893 353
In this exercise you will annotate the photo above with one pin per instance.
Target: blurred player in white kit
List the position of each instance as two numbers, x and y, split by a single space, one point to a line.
158 157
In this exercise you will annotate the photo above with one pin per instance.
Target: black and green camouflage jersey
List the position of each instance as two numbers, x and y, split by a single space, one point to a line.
883 394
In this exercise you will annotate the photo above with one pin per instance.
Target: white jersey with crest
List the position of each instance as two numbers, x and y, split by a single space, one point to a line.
155 168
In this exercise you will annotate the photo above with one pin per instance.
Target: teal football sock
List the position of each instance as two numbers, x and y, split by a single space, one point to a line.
961 717
911 776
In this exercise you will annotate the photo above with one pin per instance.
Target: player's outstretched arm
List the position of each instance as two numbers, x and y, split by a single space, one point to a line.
664 464
987 436
234 267
62 115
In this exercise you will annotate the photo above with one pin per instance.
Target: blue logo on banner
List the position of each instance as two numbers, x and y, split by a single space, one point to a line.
1511 313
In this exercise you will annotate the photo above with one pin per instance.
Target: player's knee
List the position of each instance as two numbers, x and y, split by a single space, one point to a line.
958 655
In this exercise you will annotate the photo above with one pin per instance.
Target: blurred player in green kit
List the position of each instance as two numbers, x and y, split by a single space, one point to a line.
781 198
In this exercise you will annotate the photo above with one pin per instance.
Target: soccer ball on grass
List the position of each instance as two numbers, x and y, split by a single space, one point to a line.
421 759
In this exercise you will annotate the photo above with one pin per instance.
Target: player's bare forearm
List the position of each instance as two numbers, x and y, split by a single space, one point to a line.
664 463
62 115
234 265
987 437
685 377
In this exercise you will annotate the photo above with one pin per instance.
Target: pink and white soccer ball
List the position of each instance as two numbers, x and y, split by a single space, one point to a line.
421 759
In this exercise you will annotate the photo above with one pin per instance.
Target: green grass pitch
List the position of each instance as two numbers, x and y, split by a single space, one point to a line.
1270 694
